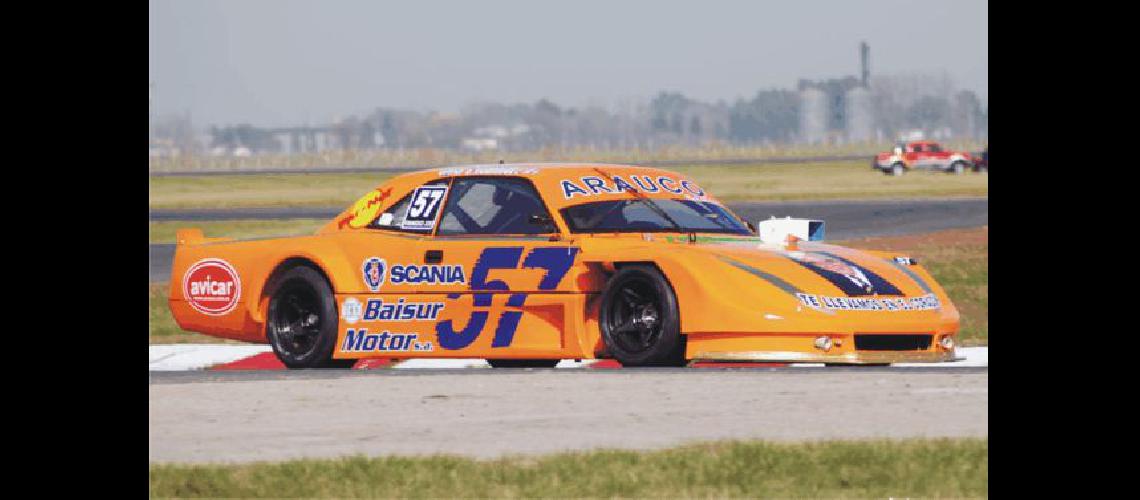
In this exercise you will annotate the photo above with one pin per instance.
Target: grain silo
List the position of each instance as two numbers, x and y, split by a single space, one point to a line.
860 122
813 115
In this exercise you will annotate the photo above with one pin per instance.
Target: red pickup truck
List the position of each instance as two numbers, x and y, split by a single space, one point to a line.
922 154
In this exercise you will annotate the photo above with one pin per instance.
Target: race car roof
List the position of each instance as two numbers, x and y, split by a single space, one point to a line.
566 184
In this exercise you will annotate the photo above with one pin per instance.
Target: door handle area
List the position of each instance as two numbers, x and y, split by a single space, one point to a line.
433 256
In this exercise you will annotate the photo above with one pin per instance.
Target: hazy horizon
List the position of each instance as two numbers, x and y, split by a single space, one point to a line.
291 62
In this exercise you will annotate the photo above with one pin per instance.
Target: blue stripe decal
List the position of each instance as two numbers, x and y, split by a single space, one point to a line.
914 276
779 283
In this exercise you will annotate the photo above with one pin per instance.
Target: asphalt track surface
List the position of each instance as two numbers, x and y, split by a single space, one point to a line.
489 413
845 219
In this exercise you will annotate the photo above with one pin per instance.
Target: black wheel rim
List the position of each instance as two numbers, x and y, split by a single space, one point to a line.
634 320
296 320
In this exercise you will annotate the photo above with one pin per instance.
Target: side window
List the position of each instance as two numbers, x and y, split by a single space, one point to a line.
934 148
917 148
494 206
416 212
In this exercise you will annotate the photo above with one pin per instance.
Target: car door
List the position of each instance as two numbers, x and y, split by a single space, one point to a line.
937 156
521 296
913 155
400 297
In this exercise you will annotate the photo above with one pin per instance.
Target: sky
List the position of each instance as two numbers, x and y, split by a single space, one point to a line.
292 62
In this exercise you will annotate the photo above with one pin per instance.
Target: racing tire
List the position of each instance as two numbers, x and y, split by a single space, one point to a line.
896 170
957 168
301 321
523 363
639 319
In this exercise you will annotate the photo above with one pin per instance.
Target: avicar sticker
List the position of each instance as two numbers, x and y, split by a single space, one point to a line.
212 287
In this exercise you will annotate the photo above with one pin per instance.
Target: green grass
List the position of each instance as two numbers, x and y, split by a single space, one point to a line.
840 469
807 181
290 190
163 329
163 232
831 180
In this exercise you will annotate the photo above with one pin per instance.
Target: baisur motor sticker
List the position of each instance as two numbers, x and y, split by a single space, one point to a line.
212 287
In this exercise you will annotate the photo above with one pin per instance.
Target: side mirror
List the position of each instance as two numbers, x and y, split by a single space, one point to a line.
751 227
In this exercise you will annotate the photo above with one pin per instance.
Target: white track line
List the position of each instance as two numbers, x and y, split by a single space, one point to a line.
184 357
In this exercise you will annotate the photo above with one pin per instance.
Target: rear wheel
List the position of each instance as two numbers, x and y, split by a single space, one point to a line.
639 319
523 363
958 167
301 321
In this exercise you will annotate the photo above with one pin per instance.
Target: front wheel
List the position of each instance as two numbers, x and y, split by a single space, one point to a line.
639 319
896 170
958 167
302 319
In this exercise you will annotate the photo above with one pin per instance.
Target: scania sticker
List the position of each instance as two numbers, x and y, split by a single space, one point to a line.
374 270
428 274
350 310
211 286
359 340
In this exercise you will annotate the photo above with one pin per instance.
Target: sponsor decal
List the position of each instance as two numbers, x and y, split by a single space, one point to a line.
374 270
212 286
591 185
487 170
428 274
359 340
424 207
924 303
401 310
906 261
350 310
364 210
853 279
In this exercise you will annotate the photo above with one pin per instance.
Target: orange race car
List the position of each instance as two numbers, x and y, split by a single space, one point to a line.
528 264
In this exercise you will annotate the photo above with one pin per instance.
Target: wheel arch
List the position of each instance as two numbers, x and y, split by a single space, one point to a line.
333 267
686 287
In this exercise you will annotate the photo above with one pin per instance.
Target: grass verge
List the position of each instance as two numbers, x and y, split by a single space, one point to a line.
857 469
803 181
163 232
163 328
959 260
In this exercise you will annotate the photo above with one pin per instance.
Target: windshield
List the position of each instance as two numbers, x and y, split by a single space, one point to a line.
644 215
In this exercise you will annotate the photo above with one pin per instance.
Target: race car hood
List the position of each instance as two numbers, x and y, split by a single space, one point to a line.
821 269
734 283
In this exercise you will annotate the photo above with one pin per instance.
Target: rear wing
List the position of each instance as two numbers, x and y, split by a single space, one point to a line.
195 236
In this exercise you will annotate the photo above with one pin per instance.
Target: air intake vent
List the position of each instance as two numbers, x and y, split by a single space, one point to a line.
892 342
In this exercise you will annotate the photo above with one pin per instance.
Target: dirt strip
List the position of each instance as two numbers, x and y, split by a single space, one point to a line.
543 411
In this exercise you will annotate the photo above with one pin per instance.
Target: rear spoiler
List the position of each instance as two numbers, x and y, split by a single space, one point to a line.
195 236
